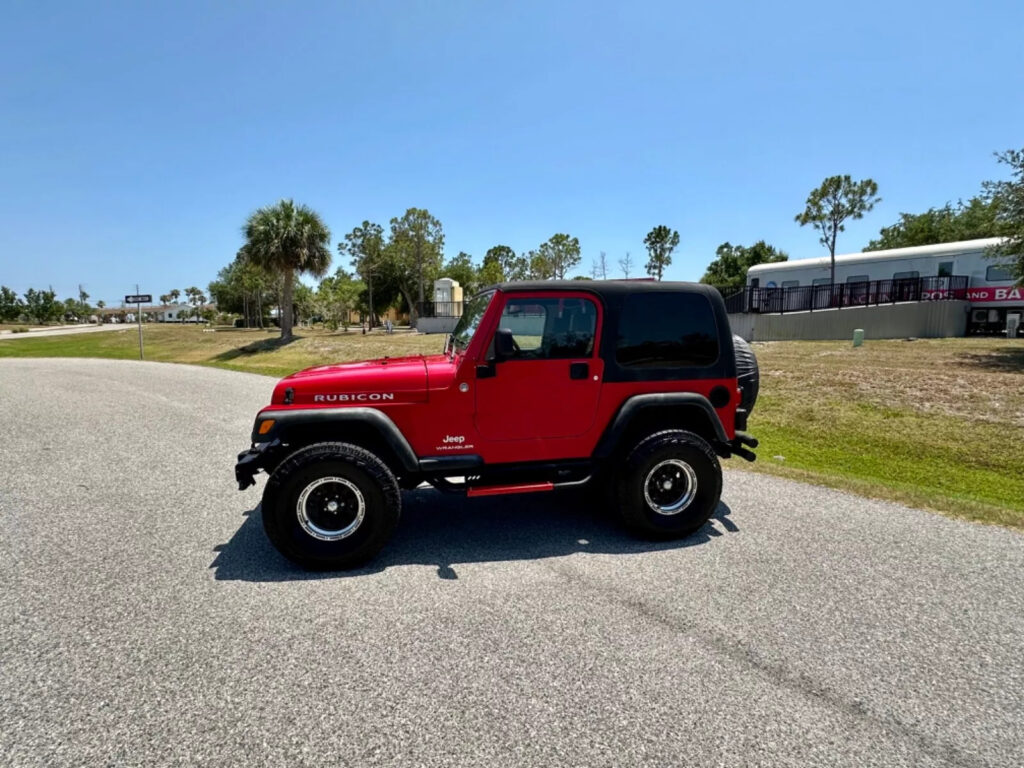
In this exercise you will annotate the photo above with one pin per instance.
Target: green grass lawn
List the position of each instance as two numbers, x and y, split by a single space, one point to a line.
933 423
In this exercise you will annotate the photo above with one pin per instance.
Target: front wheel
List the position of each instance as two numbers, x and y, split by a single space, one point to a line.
330 506
670 485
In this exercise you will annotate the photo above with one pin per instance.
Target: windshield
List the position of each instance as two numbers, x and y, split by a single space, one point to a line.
472 314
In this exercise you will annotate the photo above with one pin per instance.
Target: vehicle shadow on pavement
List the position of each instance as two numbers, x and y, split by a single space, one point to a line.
443 530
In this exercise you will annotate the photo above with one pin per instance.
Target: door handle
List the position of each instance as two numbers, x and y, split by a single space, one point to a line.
578 370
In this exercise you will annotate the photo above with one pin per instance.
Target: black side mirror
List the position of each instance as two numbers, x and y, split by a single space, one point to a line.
504 345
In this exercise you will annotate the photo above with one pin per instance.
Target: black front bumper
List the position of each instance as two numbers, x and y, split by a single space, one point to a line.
252 461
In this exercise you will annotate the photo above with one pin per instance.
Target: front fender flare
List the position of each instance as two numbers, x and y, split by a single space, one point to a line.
287 420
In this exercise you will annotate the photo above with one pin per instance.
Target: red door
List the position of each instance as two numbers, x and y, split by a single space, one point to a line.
550 386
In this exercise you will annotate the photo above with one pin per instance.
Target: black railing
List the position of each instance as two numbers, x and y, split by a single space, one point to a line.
439 309
735 303
808 298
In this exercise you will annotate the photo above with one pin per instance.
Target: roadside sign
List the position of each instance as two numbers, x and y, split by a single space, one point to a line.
138 299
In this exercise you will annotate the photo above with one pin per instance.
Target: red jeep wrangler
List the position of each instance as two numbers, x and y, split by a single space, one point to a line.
541 386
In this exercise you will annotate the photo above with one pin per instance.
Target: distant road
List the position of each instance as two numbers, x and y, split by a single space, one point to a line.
65 330
145 620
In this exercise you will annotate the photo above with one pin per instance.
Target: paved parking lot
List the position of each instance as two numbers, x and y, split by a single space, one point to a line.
144 619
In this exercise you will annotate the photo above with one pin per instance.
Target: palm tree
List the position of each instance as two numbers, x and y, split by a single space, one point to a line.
196 298
287 238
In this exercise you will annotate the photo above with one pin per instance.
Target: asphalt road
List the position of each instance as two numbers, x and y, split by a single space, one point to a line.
63 330
144 619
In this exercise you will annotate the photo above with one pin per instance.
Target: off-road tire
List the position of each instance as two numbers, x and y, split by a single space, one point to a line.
687 463
360 477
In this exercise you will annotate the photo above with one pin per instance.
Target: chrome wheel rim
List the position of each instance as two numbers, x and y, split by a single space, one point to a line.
330 508
670 487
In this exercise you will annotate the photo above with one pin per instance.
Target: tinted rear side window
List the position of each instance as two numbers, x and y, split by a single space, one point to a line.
667 330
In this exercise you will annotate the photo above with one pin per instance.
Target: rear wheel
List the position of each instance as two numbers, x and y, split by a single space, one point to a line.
670 485
330 506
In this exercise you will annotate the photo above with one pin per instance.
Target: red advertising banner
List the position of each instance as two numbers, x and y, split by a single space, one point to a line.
976 295
990 293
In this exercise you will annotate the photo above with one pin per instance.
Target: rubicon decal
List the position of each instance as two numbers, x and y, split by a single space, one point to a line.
360 397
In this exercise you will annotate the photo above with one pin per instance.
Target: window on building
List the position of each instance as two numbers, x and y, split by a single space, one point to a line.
666 330
858 279
821 281
551 329
790 283
995 273
912 275
945 269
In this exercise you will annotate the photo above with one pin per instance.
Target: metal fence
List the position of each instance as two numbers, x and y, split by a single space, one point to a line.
808 298
439 309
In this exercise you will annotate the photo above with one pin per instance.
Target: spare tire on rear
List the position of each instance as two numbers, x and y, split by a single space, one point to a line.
746 373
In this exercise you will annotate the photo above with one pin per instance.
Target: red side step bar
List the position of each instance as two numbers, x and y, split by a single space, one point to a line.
497 490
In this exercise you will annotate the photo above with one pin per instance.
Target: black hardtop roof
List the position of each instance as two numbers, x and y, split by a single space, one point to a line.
604 287
613 295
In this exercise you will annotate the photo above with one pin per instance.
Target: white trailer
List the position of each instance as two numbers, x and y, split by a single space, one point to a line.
989 285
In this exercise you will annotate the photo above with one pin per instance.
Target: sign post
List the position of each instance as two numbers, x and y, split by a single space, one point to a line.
138 299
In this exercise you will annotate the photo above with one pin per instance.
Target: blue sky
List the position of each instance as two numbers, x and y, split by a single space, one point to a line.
135 138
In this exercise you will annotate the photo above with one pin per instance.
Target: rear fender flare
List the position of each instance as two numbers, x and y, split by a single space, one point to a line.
668 401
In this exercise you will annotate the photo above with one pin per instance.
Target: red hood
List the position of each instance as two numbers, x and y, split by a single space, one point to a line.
370 382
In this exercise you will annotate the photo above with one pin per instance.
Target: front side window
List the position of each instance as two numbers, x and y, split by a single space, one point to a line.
549 328
667 330
472 314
